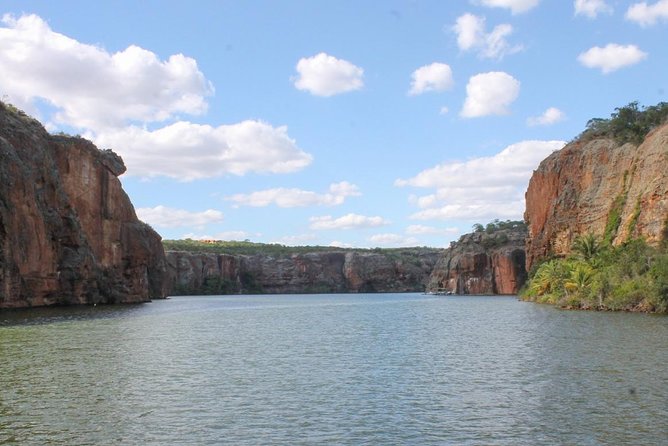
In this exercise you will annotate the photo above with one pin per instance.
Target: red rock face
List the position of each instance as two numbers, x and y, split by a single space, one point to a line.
318 272
573 192
481 263
68 232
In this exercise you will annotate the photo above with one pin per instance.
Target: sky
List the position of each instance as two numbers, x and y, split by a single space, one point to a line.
345 123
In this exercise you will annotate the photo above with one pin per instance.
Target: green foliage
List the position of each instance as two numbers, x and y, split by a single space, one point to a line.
628 124
497 225
494 241
615 214
276 250
586 246
633 276
634 217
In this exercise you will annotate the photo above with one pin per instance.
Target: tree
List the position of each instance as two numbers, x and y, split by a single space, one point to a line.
586 246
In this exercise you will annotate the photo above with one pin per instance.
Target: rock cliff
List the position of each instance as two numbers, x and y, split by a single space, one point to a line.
68 232
482 263
614 191
317 272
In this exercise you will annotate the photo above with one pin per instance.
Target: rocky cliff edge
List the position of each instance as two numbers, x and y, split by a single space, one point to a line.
614 191
68 232
482 263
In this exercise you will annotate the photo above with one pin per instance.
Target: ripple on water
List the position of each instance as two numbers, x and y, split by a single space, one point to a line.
344 369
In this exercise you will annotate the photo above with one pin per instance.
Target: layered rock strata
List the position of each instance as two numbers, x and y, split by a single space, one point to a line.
68 232
482 263
616 192
318 272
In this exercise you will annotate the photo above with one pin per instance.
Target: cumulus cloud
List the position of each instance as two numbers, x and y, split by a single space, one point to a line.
394 240
612 57
325 75
296 240
188 151
349 221
515 6
550 116
338 244
91 87
472 36
430 230
647 15
290 198
165 217
113 96
591 8
434 77
481 188
225 235
490 94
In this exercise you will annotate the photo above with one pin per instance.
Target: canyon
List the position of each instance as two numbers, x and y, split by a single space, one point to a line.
68 232
615 191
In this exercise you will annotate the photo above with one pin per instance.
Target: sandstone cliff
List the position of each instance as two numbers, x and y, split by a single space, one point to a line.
614 191
317 272
68 232
482 263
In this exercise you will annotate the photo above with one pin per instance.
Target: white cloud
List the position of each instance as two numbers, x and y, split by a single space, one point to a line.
481 188
490 94
647 15
188 151
296 240
112 96
349 221
165 217
550 116
290 198
325 75
337 244
515 6
591 8
226 235
430 230
90 87
472 36
434 77
394 240
612 57
444 110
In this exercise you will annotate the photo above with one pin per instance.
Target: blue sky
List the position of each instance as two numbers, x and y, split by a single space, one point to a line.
353 123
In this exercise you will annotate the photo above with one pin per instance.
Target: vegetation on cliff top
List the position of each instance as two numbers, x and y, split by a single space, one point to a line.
274 249
627 124
629 277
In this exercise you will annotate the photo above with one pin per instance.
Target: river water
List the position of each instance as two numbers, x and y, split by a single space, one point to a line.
374 369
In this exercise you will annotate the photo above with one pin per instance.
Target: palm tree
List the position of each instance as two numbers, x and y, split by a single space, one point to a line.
580 277
547 278
586 246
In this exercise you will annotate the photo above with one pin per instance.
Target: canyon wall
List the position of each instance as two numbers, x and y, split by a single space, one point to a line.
614 191
317 272
482 263
68 232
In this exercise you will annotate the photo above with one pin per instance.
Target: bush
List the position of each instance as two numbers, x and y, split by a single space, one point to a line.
633 276
628 124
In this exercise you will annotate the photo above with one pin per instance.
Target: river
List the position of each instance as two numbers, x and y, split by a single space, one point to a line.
375 369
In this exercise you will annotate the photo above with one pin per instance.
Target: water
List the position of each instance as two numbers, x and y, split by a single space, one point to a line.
378 369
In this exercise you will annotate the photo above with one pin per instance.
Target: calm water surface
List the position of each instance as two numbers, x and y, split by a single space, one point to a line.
377 369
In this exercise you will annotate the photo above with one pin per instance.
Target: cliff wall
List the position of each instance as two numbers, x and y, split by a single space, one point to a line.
482 263
613 191
318 272
68 232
